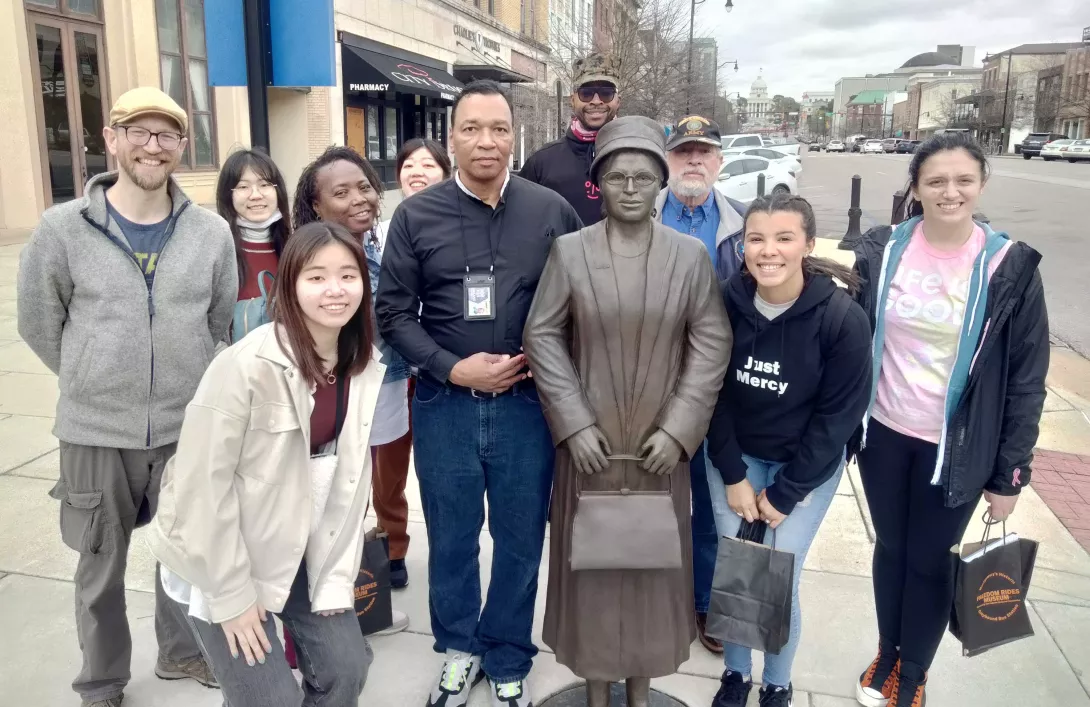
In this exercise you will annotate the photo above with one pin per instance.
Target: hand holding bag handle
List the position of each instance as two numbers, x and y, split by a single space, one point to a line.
624 530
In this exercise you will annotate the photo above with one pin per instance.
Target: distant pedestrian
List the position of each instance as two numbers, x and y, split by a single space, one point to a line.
692 205
264 503
564 165
797 382
420 163
960 356
252 198
124 294
471 250
342 187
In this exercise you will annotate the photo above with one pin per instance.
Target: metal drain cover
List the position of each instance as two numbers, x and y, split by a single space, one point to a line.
577 697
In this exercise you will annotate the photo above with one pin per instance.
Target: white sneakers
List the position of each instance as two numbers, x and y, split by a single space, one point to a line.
460 673
401 622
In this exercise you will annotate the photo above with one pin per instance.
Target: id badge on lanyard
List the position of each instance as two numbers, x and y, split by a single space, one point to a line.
479 296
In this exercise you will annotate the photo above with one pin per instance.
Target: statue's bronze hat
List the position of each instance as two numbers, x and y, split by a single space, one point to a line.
633 132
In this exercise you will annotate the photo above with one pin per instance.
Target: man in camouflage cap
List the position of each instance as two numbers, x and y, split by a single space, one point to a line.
564 165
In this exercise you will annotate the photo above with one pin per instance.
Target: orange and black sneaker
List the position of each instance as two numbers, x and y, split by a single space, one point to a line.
909 692
877 684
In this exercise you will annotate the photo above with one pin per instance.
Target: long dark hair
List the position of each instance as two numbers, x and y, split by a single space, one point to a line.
931 147
230 174
306 192
434 149
356 337
811 265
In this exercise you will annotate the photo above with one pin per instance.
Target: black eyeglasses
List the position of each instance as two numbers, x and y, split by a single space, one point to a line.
138 136
605 93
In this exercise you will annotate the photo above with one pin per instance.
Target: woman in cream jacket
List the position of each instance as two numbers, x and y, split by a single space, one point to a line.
262 507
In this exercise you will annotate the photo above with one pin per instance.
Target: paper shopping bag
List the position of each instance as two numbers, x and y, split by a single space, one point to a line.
751 591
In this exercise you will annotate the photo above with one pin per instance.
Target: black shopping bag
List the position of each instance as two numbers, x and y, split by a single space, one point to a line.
374 606
751 591
991 583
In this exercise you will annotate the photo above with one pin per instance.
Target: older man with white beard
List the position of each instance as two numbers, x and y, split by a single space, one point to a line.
691 204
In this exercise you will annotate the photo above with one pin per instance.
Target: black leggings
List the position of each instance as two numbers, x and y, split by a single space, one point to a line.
913 571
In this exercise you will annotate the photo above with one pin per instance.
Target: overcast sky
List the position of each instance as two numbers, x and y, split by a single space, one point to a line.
806 45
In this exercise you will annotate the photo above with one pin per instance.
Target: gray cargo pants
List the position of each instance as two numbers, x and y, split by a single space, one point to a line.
105 493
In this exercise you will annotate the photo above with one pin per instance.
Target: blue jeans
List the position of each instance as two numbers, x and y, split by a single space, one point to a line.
794 535
468 448
705 537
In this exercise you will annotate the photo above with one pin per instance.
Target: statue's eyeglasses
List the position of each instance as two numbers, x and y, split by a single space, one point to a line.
620 179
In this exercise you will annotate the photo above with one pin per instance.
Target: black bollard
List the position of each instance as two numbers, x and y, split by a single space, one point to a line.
854 234
897 215
761 184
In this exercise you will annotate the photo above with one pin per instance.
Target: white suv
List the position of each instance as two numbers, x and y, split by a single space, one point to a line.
741 142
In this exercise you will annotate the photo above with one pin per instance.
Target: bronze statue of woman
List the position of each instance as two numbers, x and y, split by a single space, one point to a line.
628 342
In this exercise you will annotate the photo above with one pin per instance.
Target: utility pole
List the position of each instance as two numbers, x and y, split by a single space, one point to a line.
1003 138
258 69
689 70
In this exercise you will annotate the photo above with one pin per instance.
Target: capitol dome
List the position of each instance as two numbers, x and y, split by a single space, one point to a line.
759 82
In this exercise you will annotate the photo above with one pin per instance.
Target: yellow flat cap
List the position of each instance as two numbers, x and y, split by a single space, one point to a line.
147 100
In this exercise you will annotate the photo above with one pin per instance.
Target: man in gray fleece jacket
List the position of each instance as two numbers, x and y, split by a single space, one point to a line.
124 294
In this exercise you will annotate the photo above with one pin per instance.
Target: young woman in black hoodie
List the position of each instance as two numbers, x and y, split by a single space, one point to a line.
797 383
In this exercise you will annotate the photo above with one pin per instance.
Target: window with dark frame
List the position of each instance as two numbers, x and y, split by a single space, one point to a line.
183 64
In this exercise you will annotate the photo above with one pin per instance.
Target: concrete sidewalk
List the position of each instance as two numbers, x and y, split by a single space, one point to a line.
39 654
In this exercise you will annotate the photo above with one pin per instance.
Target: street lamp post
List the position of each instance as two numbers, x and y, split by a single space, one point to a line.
689 70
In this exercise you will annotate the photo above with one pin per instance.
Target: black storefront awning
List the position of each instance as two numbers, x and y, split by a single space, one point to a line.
370 71
473 72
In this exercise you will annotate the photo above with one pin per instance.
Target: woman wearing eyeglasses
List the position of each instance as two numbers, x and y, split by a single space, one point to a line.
564 165
250 196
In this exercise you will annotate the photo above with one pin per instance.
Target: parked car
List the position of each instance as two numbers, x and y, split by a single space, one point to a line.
907 147
890 144
741 142
1035 141
1076 151
817 146
834 146
791 162
1053 150
738 178
872 147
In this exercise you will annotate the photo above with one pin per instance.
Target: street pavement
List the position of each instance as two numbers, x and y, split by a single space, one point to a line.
39 654
1045 204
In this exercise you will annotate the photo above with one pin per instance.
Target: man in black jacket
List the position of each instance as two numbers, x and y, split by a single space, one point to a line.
564 165
459 271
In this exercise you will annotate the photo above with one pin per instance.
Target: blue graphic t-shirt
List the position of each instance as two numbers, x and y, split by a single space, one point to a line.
145 239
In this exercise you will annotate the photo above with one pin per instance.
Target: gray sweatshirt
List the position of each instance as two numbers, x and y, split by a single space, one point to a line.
129 358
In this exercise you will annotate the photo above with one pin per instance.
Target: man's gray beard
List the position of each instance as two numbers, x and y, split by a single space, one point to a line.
690 189
128 166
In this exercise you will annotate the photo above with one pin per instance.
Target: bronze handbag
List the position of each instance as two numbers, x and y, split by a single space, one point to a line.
624 530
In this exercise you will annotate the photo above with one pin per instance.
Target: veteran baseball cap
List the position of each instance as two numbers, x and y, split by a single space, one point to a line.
147 101
694 128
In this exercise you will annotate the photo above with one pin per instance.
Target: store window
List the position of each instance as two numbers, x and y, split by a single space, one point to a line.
183 63
79 9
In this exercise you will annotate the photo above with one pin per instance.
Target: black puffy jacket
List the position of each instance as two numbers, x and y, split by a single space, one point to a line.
990 438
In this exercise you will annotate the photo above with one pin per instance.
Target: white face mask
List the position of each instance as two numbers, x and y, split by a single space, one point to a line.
259 225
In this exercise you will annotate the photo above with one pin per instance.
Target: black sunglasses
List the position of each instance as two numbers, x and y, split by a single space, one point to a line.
605 93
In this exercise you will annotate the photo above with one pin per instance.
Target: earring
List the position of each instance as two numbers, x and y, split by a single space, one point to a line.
654 213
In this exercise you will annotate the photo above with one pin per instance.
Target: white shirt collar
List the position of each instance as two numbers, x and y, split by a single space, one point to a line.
463 187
